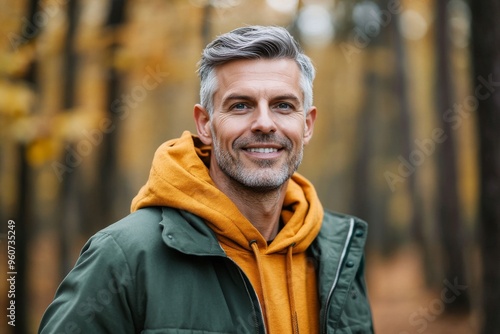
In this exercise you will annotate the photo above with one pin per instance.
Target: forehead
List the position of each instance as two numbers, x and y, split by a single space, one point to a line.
258 75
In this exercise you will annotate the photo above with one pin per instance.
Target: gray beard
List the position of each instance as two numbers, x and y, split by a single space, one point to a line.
257 180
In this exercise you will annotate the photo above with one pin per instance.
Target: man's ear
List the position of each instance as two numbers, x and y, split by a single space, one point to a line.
202 120
309 126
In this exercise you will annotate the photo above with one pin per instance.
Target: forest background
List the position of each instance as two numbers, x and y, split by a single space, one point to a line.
407 137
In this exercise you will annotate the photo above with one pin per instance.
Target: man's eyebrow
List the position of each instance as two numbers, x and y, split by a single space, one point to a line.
232 97
242 97
292 97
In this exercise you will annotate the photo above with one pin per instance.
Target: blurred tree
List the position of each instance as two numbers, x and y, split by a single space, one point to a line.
25 200
363 155
375 80
486 63
206 29
100 210
450 226
407 118
69 202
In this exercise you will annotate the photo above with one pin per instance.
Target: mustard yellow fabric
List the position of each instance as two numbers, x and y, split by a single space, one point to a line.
279 271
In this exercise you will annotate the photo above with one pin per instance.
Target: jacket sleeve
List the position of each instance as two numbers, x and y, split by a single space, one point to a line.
97 295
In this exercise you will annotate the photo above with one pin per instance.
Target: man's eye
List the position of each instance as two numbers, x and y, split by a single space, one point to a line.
239 106
284 106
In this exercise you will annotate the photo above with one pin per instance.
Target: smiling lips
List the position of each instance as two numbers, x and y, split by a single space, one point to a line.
265 145
262 149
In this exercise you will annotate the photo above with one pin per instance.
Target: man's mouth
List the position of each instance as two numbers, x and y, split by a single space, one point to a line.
262 149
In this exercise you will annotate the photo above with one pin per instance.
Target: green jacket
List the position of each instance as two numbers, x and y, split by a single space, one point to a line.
161 270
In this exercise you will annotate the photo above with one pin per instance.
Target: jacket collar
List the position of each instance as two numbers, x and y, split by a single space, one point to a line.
188 234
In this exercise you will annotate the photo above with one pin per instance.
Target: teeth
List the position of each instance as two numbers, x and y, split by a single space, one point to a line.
263 150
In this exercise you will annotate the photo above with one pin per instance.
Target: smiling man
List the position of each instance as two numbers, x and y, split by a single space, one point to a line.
226 237
258 128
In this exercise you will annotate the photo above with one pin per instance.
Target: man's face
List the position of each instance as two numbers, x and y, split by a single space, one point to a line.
258 128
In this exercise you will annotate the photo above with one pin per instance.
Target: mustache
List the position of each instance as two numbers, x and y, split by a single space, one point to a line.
263 138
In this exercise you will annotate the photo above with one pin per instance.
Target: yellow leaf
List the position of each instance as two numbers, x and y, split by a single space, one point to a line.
40 151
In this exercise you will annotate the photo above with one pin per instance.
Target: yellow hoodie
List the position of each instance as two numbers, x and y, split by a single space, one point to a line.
284 280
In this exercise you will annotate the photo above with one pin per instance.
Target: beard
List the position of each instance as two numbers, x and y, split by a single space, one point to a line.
262 174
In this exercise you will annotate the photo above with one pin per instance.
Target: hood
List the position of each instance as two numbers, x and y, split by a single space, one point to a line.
179 178
279 271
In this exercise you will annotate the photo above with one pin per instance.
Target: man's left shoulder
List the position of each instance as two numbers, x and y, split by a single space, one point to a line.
334 220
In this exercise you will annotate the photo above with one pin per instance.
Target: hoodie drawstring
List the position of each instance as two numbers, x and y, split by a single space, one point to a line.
256 252
291 296
289 281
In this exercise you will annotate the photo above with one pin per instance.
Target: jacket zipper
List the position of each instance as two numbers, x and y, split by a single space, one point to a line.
337 275
242 275
244 279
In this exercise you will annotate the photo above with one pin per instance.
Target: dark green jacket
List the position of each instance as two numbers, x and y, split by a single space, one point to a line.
161 270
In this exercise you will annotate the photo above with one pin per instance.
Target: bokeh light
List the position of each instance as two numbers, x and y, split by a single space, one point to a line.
413 25
366 16
283 6
459 14
315 25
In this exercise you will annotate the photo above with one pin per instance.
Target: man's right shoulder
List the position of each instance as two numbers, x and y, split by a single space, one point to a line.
141 220
138 230
138 221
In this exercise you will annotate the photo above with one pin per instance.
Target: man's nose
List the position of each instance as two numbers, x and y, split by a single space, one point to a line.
263 120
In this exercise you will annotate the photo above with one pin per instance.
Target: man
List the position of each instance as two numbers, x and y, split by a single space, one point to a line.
225 237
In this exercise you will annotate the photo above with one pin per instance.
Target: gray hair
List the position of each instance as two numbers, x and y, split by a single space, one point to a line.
252 42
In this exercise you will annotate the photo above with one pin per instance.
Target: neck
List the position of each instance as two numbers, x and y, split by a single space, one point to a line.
261 207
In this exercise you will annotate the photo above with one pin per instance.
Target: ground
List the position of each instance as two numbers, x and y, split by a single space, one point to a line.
401 304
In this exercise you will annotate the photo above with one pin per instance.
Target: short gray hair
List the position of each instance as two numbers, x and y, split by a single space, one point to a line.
252 42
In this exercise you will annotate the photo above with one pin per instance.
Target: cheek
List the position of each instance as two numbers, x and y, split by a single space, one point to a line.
228 129
294 130
220 136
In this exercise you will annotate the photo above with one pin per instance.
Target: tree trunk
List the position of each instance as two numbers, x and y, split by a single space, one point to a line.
69 211
486 63
101 202
24 209
417 228
450 227
21 243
